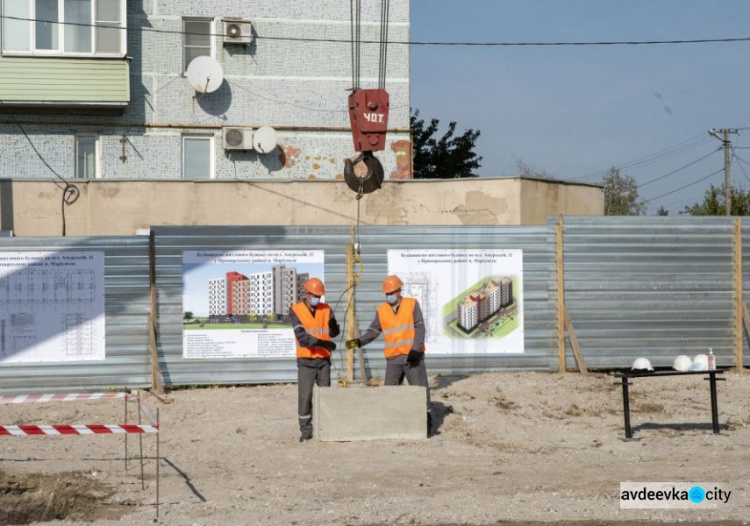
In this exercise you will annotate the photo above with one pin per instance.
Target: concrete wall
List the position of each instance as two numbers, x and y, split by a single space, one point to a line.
297 87
32 208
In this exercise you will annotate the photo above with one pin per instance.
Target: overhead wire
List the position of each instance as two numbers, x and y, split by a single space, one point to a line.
406 42
680 168
685 186
70 192
411 42
665 153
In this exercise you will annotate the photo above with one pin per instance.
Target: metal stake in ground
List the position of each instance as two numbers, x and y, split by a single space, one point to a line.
140 438
126 435
158 458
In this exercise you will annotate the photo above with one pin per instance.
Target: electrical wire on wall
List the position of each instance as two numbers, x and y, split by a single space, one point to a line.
70 192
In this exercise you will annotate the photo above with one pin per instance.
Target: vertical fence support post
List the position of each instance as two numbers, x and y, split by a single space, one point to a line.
738 299
560 297
157 383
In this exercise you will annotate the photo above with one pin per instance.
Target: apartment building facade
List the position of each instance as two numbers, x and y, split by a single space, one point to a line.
100 88
481 304
260 293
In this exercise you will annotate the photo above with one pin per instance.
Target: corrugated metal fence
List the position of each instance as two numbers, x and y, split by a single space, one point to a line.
655 287
375 241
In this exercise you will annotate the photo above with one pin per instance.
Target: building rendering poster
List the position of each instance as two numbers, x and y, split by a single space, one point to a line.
236 303
472 300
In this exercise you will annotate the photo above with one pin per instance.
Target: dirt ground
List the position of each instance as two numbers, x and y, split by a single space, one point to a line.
517 448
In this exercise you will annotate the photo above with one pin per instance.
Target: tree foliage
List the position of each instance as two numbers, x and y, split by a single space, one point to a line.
713 203
448 157
526 170
621 195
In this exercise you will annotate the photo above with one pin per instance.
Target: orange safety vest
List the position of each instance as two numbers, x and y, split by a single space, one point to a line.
398 327
315 326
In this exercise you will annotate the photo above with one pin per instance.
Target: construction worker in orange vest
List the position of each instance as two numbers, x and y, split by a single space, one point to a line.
400 320
314 326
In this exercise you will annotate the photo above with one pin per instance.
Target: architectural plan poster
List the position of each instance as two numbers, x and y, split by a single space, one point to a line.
472 300
236 303
51 306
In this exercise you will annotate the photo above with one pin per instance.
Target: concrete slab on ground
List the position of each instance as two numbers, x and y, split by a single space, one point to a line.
369 413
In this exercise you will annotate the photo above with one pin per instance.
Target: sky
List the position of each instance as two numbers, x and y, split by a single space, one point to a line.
574 112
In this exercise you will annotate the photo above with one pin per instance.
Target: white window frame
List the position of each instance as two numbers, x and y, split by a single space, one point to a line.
60 52
97 156
211 156
212 38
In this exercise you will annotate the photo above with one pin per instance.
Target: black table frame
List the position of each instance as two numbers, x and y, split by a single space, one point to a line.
626 376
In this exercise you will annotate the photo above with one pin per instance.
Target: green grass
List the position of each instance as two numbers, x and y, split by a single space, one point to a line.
212 326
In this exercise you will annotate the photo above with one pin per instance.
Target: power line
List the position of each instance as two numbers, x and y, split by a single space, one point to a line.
742 168
679 169
70 191
412 42
670 151
685 186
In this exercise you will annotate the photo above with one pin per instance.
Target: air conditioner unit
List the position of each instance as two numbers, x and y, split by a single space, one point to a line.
237 31
238 138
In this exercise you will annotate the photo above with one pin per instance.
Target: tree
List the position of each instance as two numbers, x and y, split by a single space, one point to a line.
447 157
714 205
662 211
621 195
525 170
187 316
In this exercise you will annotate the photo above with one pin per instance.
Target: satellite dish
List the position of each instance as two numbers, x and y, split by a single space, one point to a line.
264 140
204 74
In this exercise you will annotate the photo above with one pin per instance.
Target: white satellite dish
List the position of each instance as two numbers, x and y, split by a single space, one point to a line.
204 74
264 140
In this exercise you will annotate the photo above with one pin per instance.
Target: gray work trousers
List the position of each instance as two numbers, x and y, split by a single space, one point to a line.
397 368
309 372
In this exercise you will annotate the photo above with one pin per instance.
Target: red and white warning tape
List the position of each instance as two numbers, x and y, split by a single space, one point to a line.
93 429
149 415
38 398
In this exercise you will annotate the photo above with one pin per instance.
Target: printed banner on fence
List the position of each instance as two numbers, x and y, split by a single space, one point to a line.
471 300
51 306
236 303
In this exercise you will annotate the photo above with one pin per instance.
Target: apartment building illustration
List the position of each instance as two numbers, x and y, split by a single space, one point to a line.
259 293
480 305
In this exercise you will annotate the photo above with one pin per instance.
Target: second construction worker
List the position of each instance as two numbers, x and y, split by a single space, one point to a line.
401 322
314 326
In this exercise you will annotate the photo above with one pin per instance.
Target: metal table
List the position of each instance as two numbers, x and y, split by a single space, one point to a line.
626 376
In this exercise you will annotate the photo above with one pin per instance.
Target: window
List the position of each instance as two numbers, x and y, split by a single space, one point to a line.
54 27
87 158
197 40
197 158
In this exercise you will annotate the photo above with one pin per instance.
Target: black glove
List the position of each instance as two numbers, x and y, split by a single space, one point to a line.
414 357
329 346
333 328
353 344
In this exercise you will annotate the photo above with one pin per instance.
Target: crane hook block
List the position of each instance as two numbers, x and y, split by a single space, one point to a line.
368 116
368 183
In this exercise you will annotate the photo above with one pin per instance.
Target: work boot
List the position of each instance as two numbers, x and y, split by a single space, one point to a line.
304 437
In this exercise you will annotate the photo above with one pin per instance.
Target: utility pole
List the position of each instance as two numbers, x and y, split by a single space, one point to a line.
724 138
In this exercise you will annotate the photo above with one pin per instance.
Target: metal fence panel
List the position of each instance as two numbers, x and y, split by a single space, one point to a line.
127 304
538 262
648 286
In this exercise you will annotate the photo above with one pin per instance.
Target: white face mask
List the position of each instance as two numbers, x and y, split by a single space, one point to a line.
314 301
391 298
